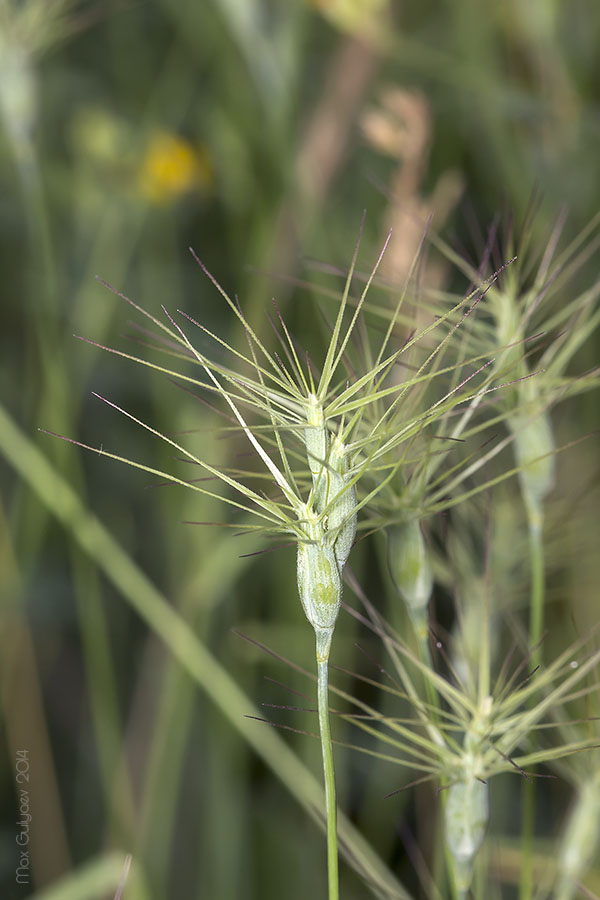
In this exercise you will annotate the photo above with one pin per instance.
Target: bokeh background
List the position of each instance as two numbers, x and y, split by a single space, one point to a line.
255 131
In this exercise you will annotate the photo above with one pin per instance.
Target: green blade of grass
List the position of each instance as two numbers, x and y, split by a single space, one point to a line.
92 881
55 493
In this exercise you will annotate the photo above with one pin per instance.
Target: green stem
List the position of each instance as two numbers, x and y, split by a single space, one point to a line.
536 551
527 828
536 625
329 777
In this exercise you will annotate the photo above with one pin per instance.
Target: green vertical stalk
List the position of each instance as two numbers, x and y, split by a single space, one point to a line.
534 452
329 777
535 518
536 624
527 827
329 523
412 576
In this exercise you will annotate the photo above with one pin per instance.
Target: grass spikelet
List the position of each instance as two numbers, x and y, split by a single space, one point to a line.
473 729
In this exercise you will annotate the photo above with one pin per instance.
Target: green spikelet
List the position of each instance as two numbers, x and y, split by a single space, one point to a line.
467 805
410 568
341 519
316 439
534 452
466 818
320 589
330 528
319 581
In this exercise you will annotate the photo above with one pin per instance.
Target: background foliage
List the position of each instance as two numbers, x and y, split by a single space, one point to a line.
256 132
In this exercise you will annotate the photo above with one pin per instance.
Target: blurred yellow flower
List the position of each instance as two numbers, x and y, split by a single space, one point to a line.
172 167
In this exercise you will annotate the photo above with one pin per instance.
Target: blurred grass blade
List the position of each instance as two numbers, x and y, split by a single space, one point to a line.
92 881
149 603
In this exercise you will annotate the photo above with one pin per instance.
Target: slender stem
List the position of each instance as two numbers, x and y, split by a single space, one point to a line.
329 777
420 622
527 828
536 624
536 551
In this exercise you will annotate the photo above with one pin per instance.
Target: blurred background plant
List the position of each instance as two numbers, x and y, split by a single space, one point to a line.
257 132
